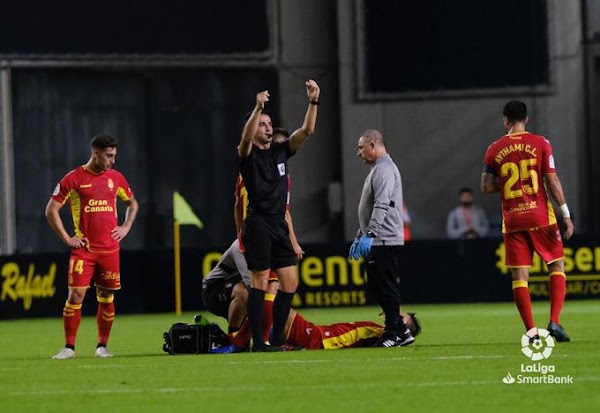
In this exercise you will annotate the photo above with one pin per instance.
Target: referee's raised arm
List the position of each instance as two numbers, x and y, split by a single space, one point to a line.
300 135
251 126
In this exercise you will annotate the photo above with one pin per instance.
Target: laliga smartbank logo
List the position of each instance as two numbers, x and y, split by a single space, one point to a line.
537 345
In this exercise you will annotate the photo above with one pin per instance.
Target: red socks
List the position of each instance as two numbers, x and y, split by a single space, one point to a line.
71 321
523 302
105 318
267 315
557 287
243 335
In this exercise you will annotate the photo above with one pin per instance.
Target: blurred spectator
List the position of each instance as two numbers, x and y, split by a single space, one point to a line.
406 222
466 221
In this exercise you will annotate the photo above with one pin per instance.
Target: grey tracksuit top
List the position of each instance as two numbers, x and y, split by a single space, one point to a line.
380 206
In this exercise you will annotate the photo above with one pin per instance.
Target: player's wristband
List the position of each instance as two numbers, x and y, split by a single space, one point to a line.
564 210
314 102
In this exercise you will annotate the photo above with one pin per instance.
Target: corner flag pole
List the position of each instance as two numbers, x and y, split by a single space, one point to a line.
177 246
182 215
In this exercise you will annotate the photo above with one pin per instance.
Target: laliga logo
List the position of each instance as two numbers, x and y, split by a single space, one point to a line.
537 344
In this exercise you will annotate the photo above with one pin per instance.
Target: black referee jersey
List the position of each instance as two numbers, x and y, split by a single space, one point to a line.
264 173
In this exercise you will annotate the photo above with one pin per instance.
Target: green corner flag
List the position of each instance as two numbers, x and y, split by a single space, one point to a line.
183 213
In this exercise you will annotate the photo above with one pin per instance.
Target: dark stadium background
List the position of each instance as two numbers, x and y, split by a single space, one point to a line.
173 80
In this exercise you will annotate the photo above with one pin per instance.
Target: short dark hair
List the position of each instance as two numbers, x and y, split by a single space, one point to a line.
104 142
515 111
465 189
417 326
281 131
247 115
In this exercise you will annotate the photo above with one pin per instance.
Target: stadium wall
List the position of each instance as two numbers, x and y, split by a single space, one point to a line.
438 141
178 117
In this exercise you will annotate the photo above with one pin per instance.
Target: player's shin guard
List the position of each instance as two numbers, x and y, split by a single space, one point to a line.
267 315
105 318
557 287
523 302
71 321
255 315
281 310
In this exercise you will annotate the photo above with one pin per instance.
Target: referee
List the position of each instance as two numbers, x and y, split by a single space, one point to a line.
263 165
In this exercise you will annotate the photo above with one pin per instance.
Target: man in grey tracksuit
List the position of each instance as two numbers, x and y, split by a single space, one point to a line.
381 235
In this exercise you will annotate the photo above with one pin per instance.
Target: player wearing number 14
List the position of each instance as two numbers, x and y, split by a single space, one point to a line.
520 165
92 191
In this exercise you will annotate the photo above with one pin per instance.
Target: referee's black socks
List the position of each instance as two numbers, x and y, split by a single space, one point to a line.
255 316
281 310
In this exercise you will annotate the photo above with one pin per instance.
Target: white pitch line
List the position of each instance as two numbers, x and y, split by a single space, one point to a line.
83 366
72 363
245 389
402 358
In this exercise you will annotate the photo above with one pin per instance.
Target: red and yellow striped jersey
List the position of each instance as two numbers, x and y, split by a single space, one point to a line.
93 201
520 161
242 195
305 334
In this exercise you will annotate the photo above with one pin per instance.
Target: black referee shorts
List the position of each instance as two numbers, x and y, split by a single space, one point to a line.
267 242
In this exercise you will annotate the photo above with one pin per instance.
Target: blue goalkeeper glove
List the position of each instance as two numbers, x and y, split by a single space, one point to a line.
363 247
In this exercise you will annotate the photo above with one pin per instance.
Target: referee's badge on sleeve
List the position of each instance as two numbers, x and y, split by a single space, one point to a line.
281 167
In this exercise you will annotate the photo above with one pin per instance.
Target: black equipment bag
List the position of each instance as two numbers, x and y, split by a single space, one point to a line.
184 338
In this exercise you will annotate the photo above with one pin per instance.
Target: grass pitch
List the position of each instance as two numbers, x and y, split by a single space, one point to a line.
457 364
